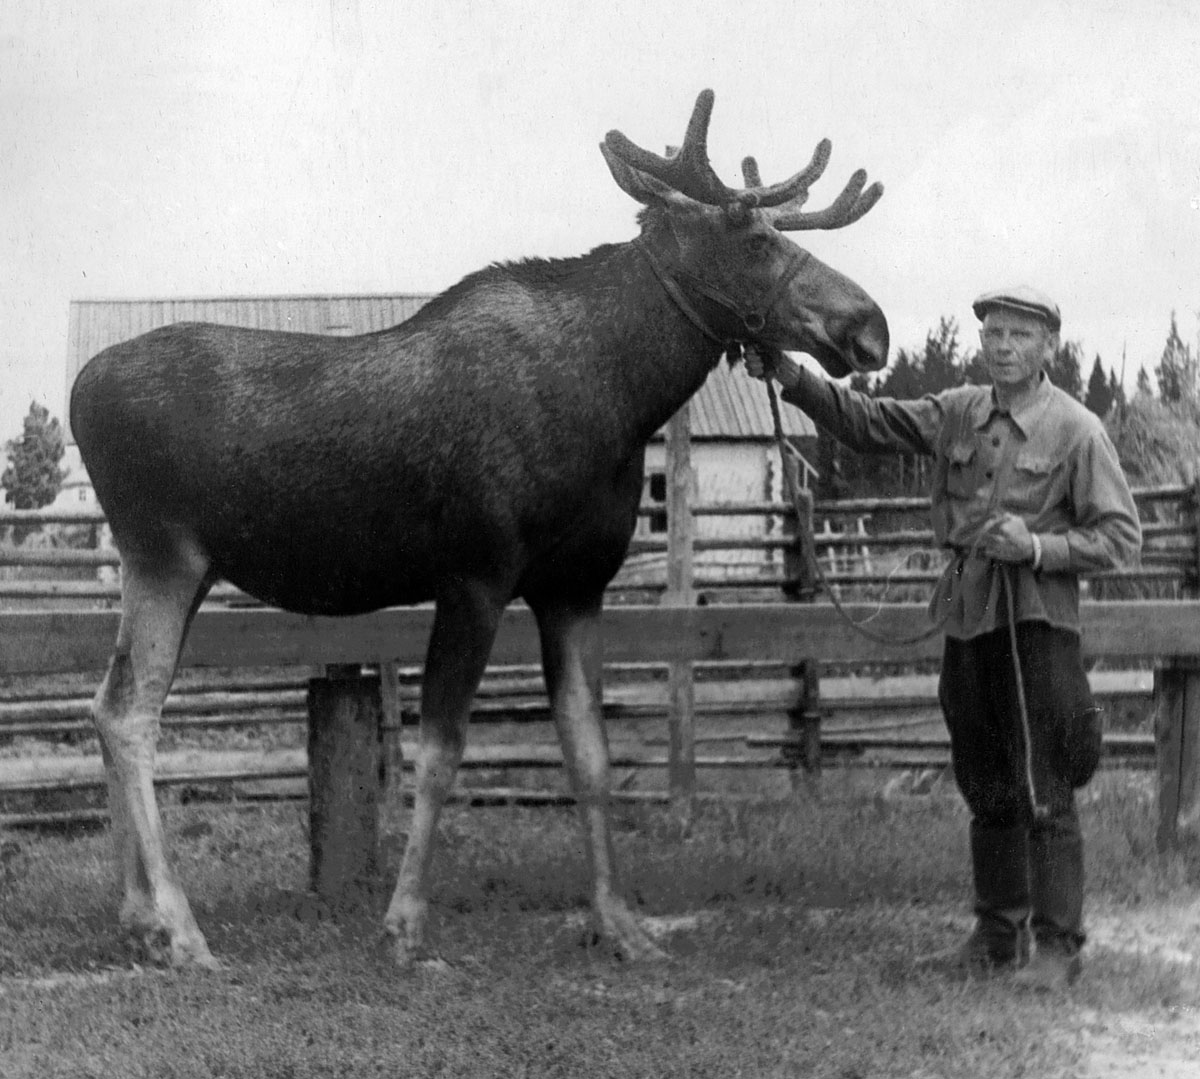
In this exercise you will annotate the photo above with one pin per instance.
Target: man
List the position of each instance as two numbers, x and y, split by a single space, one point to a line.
1028 493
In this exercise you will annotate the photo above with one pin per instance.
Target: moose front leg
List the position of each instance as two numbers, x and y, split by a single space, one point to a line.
464 627
571 657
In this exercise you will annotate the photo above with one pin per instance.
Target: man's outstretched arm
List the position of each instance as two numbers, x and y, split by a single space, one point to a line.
867 424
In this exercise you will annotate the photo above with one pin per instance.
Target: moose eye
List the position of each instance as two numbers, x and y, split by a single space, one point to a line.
759 244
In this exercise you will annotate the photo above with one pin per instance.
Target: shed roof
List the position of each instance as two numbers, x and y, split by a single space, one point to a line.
728 406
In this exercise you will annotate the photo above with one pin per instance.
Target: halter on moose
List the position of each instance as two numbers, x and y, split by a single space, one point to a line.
489 448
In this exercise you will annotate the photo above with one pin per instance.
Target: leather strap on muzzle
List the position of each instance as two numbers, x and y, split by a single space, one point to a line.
753 319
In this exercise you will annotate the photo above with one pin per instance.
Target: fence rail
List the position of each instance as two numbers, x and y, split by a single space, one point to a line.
1171 554
909 737
33 642
765 696
677 633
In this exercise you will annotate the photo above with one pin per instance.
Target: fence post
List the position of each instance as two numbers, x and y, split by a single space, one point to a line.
344 755
681 691
1177 710
1177 744
803 751
799 557
392 718
1191 588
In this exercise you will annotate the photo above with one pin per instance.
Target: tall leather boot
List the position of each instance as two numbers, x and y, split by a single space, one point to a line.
1056 893
999 860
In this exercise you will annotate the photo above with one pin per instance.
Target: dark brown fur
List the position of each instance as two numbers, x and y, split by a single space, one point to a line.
498 432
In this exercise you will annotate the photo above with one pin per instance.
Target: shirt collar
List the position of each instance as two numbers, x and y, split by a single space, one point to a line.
1025 417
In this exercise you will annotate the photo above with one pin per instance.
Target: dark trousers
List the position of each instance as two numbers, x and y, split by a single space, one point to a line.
1028 867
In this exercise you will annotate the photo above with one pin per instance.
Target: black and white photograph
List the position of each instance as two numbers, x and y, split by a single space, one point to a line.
625 540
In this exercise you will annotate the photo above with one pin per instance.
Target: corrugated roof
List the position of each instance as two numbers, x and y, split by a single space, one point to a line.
96 324
729 405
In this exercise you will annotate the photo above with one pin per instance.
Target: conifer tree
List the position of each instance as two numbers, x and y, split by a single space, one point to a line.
1099 397
1176 370
33 478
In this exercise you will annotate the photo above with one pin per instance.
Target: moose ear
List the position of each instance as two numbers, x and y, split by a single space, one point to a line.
643 187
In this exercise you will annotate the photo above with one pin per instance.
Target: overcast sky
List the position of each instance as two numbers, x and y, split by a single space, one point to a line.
220 147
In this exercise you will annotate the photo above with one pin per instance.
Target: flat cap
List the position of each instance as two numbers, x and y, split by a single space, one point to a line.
1024 299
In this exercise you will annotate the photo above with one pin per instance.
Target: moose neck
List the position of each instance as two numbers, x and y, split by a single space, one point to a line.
661 355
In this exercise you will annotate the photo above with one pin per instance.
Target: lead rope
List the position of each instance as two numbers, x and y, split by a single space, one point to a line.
787 453
791 490
1041 811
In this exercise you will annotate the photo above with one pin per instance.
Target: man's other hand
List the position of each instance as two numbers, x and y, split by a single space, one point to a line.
1007 539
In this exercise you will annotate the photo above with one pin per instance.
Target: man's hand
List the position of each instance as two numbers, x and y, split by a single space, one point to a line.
1007 539
767 363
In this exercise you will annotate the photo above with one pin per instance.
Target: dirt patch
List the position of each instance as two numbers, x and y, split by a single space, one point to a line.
1141 1046
1167 934
1163 1043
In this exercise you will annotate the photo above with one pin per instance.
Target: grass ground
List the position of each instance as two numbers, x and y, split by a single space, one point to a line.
793 931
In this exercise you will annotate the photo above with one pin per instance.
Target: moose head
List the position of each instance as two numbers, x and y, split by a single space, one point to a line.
722 254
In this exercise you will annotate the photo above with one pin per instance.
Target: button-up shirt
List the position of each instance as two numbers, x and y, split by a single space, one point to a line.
1050 462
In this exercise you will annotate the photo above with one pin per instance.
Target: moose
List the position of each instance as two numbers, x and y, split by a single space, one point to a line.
488 449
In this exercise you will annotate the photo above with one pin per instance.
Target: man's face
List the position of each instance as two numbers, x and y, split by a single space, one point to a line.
1015 346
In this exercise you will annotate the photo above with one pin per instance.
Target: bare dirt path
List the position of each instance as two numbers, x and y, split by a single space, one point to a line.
1160 1043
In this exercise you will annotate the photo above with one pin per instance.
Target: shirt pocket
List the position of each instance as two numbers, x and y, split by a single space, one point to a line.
1033 482
960 470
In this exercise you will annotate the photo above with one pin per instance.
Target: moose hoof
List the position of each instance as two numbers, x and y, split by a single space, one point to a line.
195 955
404 932
166 934
404 953
163 948
628 938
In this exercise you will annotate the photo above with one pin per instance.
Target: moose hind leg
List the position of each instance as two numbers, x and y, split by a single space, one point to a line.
464 627
571 658
157 605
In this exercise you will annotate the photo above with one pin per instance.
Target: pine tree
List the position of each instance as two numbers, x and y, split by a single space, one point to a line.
975 370
940 365
33 478
1064 369
1143 383
1116 391
1099 397
1176 371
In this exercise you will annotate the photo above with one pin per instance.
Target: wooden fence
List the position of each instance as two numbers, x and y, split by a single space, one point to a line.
742 714
677 632
1170 557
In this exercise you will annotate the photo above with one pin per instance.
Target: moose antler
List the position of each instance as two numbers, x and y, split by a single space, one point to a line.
791 190
689 172
847 208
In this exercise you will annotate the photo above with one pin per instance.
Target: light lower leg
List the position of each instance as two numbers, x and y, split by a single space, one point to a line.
405 918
